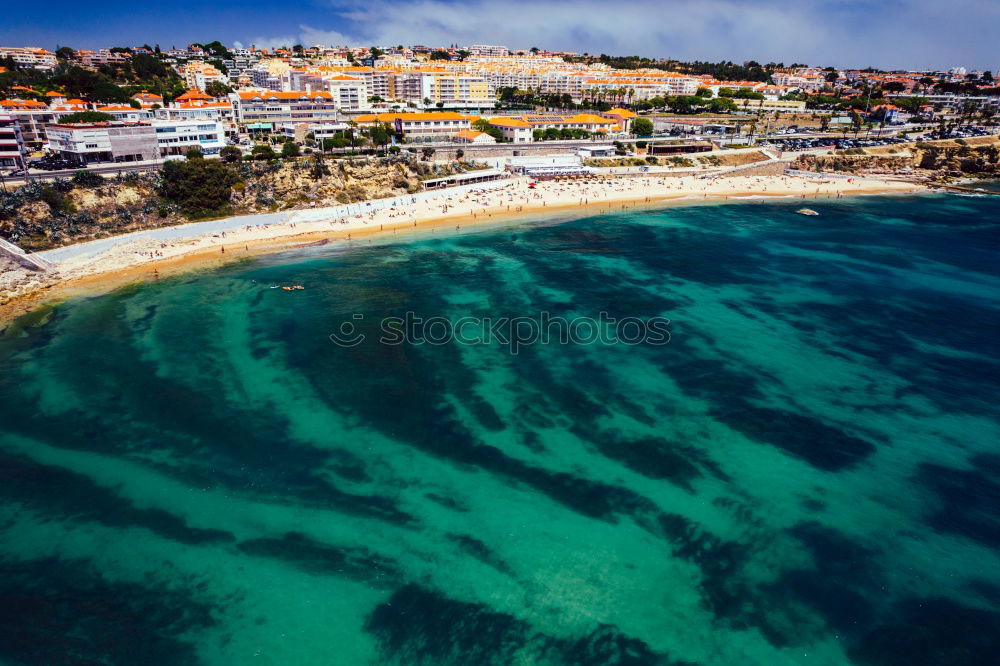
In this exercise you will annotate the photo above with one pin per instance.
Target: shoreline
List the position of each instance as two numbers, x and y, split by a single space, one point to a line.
500 202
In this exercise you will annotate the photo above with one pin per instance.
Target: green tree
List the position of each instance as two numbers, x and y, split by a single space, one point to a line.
86 117
380 134
217 89
230 154
194 153
721 105
85 178
642 127
200 188
263 152
290 149
483 125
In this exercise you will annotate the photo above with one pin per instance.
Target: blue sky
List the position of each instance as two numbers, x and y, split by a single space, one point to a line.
849 33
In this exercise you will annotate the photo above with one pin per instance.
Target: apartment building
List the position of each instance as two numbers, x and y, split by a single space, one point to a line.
12 153
646 85
238 65
349 93
263 110
486 50
271 74
376 80
808 82
30 56
176 137
197 75
87 143
31 116
459 90
450 88
197 106
94 59
436 126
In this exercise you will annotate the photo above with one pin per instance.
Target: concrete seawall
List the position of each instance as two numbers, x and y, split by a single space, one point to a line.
29 261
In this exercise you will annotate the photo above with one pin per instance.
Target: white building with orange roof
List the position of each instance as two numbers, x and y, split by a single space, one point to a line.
12 150
474 137
440 126
67 107
196 105
199 74
147 99
514 130
30 56
32 117
263 110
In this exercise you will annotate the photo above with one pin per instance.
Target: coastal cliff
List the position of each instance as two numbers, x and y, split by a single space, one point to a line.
44 215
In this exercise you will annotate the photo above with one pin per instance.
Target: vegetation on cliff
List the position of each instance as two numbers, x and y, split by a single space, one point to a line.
43 215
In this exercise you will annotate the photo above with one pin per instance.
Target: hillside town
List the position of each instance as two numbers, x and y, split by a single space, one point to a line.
140 105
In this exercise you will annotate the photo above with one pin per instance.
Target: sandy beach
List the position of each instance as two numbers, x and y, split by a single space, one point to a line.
453 209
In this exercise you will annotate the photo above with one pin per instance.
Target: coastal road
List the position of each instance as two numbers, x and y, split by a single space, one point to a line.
106 170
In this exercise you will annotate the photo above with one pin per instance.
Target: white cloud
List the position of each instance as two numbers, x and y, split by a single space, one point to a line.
899 33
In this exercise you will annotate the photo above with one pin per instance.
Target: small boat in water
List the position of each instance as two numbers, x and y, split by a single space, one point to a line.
806 211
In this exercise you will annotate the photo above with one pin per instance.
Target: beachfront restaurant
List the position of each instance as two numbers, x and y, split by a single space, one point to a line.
547 166
467 178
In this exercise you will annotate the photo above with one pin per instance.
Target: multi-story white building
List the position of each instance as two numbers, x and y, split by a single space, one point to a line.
31 116
86 143
487 50
197 75
11 142
101 57
176 137
263 110
30 56
433 86
195 105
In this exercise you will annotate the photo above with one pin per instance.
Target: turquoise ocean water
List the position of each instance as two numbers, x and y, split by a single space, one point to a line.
192 472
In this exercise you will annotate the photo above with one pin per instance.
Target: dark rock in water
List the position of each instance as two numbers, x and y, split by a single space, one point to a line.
306 553
968 499
417 626
802 436
839 587
932 632
60 491
479 550
55 612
